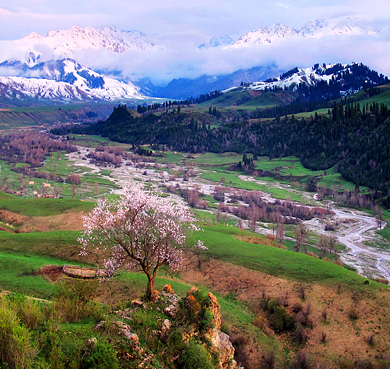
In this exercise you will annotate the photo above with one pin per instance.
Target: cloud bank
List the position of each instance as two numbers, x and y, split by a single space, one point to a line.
178 27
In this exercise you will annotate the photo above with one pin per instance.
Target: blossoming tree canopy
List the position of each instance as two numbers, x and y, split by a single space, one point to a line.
142 229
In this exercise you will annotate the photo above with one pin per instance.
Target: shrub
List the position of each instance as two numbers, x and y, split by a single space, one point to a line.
297 307
269 360
364 364
323 337
303 316
302 292
74 301
260 322
381 280
301 361
31 313
195 356
17 348
100 356
300 333
240 345
324 315
282 321
371 339
52 350
227 328
353 313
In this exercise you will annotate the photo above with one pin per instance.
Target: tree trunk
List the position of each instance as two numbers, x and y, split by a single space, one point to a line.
150 295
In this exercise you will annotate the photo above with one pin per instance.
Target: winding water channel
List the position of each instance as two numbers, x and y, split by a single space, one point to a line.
357 228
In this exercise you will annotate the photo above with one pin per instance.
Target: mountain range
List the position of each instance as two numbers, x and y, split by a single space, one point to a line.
48 67
316 29
62 80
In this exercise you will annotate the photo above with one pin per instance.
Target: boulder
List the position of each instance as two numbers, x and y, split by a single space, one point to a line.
219 339
167 288
165 328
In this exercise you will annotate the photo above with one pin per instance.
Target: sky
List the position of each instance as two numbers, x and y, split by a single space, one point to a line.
182 25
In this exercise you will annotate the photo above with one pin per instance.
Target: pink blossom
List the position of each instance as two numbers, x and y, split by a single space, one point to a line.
141 229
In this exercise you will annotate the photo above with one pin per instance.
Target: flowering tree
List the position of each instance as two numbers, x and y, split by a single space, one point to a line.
142 229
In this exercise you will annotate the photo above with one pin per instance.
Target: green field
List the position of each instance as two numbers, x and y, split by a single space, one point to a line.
271 260
44 207
232 180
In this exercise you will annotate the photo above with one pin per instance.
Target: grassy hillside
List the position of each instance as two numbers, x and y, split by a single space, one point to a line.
241 274
35 115
250 99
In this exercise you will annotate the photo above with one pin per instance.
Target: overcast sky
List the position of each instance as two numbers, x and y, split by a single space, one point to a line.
200 17
189 23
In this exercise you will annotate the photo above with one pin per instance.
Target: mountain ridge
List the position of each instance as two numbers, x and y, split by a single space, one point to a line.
63 80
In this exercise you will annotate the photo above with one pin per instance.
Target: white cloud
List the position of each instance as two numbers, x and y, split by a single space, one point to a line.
182 25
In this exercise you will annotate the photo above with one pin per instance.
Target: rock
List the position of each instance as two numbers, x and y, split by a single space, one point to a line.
165 328
156 296
192 305
125 314
225 348
219 339
125 331
92 341
191 291
215 310
167 288
136 303
172 301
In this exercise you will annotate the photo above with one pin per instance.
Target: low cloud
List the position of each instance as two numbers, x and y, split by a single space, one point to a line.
178 27
186 61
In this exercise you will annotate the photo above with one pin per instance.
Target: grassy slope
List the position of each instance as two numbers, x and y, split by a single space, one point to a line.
21 254
271 260
44 207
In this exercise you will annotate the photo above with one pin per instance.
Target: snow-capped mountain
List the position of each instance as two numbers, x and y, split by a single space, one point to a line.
318 28
63 80
217 41
67 43
351 77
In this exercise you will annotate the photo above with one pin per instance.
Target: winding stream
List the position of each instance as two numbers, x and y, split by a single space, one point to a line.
357 227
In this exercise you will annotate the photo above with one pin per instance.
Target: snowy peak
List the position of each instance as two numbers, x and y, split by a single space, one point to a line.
351 77
64 80
64 43
265 36
318 28
217 41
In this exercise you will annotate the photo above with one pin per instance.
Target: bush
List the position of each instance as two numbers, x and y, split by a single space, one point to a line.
261 323
301 361
353 313
100 356
371 339
269 360
17 348
194 356
282 321
323 337
300 333
324 315
74 301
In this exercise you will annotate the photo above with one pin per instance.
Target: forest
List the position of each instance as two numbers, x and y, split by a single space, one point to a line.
354 138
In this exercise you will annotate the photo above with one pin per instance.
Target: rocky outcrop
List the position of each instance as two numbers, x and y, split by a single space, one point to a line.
171 300
125 331
219 339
